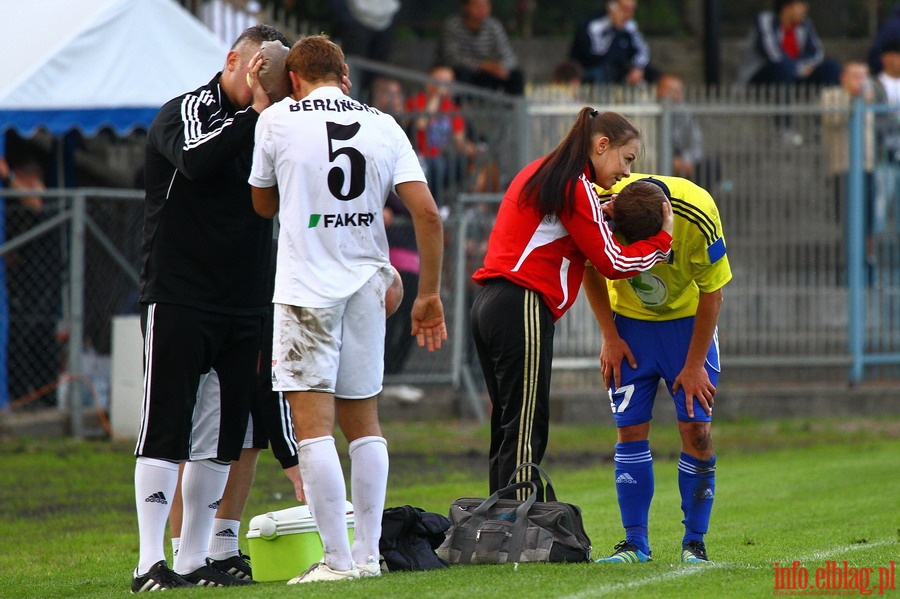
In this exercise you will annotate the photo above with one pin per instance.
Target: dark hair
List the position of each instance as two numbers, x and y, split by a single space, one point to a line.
637 210
566 71
779 4
259 34
891 45
551 188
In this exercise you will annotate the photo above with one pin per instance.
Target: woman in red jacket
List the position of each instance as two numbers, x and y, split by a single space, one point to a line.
549 225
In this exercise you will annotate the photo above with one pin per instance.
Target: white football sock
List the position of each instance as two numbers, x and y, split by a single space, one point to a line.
326 494
154 487
202 485
176 543
368 485
223 543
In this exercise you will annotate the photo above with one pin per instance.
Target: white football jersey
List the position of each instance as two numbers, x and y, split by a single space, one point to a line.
334 161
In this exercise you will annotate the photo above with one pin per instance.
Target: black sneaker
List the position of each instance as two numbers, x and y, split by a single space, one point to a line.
157 578
236 565
207 576
694 552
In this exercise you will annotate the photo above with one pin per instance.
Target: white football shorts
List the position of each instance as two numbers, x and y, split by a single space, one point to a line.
339 349
205 422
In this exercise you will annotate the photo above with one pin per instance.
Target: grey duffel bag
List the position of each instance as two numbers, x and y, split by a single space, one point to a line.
498 530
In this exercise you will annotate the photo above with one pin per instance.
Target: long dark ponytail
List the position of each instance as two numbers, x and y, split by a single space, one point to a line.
551 187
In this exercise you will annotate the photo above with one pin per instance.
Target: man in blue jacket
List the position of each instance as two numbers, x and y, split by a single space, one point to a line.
610 47
784 48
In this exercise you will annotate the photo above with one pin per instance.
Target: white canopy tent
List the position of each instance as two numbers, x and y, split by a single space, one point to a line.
93 64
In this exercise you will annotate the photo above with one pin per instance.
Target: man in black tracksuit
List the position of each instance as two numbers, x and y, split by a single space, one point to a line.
204 293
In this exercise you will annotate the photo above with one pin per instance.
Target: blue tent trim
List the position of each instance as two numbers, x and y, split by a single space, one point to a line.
87 120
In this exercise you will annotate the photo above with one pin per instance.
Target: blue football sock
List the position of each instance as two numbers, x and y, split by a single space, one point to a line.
697 483
634 487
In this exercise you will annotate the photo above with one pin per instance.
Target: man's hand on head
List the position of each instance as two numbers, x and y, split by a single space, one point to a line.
261 99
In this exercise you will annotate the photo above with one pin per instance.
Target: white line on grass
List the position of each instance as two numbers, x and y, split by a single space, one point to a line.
701 568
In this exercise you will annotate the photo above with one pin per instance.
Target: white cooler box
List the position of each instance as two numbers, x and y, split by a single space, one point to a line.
285 543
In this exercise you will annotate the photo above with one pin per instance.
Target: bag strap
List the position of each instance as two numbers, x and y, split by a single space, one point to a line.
487 504
481 513
549 492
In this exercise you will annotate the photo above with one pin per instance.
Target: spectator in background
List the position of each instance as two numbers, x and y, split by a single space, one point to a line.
687 138
476 47
887 172
366 29
387 96
784 48
855 83
567 72
439 133
33 281
565 80
610 47
889 30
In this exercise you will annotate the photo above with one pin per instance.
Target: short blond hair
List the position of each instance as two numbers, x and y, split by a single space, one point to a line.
316 58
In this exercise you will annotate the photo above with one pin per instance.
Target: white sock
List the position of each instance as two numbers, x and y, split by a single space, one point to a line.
368 485
176 543
202 485
223 542
326 494
154 487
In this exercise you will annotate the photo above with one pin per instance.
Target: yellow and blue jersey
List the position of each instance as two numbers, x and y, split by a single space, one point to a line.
698 261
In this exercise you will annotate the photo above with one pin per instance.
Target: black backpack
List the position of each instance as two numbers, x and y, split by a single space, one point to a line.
409 536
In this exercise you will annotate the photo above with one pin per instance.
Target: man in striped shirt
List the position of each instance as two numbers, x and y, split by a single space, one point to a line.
475 44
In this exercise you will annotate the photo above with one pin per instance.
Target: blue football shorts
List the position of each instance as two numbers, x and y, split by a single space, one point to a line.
660 348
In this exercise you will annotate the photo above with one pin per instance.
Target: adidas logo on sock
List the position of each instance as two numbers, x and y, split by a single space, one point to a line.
706 494
158 497
625 479
214 505
226 533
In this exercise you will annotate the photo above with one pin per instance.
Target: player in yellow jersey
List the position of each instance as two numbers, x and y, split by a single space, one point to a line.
662 324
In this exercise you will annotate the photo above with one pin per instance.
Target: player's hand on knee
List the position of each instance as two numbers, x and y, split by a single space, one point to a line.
696 385
613 354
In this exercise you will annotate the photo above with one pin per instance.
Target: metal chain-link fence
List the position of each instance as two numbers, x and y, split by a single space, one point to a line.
814 244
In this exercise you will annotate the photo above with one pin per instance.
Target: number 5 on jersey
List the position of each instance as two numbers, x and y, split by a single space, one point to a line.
337 176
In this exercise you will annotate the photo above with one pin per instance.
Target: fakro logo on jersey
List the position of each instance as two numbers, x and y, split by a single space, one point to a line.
349 219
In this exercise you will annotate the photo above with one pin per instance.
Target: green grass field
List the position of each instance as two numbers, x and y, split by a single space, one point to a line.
810 491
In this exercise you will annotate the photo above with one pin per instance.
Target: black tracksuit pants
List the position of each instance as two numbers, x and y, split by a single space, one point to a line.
513 333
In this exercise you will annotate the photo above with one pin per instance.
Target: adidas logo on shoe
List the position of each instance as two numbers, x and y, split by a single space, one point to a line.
159 578
625 479
227 533
158 497
209 576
